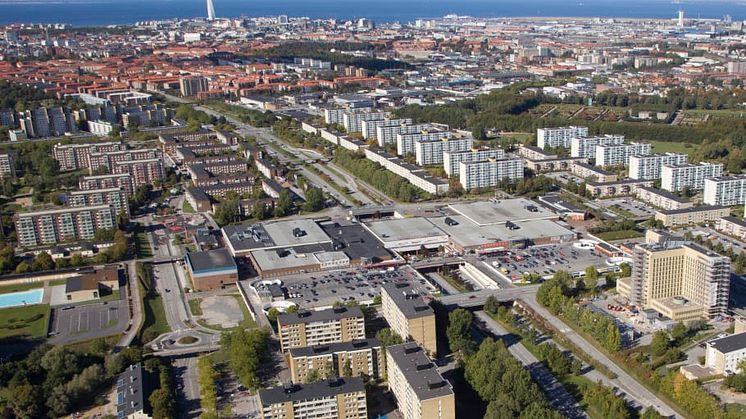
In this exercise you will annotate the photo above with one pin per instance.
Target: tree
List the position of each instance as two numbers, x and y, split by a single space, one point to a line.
660 343
284 205
591 278
459 332
314 200
650 413
247 352
678 332
227 212
346 369
23 268
25 401
43 262
626 270
491 305
259 210
388 337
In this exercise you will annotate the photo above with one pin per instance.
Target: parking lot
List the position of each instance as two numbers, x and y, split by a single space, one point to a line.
546 260
85 322
626 207
323 289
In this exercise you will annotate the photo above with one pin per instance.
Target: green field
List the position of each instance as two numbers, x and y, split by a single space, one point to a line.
31 321
5 289
619 235
671 147
187 208
195 307
154 322
720 113
142 245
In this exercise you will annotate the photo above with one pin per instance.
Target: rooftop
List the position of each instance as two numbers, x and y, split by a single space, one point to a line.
419 371
212 260
286 233
404 229
318 350
729 343
408 300
701 208
300 392
501 211
319 316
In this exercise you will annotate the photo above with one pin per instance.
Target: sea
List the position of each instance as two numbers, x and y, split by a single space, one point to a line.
109 12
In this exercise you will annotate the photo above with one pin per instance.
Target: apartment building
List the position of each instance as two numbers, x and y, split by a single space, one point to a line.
662 199
691 215
725 190
649 167
618 155
116 197
412 173
489 173
353 120
535 153
340 398
311 328
359 358
405 142
680 280
616 188
77 156
8 164
386 134
108 160
451 159
675 178
59 225
369 128
266 168
143 172
429 152
117 180
190 86
732 226
585 147
558 137
724 355
407 313
420 391
589 171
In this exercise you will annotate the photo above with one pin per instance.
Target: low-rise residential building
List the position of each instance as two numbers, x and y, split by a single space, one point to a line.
724 355
133 390
489 173
311 328
619 154
406 311
648 167
557 164
342 398
586 146
589 171
535 153
420 391
732 226
617 188
47 227
692 215
675 178
662 199
725 190
211 269
360 358
266 168
559 137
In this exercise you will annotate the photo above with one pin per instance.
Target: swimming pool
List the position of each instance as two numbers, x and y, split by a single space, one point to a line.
21 298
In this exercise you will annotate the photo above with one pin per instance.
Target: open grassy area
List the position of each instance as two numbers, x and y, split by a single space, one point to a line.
186 208
672 147
619 235
142 245
195 307
31 321
6 289
154 316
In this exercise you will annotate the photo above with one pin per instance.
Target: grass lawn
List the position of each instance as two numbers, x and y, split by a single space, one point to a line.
455 283
619 235
671 147
187 208
6 289
154 319
24 321
142 245
740 409
195 307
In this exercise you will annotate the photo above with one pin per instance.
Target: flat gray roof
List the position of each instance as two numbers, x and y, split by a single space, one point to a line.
212 260
319 316
318 350
468 234
419 371
404 229
408 299
501 211
287 233
694 209
300 392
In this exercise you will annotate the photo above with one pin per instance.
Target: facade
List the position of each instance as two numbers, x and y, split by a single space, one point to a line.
369 128
675 178
559 137
120 180
691 215
143 172
662 199
211 269
420 391
54 226
116 197
585 147
191 86
535 153
725 190
451 159
618 188
724 355
342 398
386 134
585 171
618 155
353 120
489 173
109 160
405 142
409 315
77 156
732 226
8 164
311 328
649 167
360 358
680 281
429 152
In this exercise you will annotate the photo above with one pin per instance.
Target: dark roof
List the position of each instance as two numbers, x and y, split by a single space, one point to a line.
694 209
595 169
408 300
735 220
729 343
131 388
300 392
355 241
666 194
419 371
319 316
356 345
218 259
80 283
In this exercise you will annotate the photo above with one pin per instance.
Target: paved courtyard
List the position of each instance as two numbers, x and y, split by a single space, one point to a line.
221 310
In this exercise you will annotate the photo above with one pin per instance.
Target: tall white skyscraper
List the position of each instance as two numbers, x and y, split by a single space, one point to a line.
210 10
681 18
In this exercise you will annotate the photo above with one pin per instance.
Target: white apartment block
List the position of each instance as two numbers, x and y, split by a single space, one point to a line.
413 174
387 134
724 355
369 127
405 142
334 115
489 173
8 164
675 178
116 197
353 121
649 167
451 159
585 147
63 225
725 190
558 137
618 155
429 152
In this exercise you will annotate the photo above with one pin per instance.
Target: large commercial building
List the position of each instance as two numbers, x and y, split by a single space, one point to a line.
489 173
724 355
559 137
649 167
618 155
420 391
675 178
680 280
311 328
451 159
585 147
211 269
54 226
725 190
406 311
429 152
93 197
360 358
340 398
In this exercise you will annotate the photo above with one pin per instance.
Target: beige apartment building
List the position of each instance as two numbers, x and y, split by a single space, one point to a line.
360 358
693 215
420 391
409 315
310 328
332 399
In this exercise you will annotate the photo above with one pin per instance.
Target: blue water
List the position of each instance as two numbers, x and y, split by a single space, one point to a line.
21 298
104 12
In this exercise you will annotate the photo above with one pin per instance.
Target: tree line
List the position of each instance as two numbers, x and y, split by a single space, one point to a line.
390 184
323 51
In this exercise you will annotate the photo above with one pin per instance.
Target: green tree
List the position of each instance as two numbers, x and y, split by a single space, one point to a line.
43 262
314 200
227 212
25 401
23 268
660 343
388 337
459 332
650 413
491 305
284 205
591 278
678 333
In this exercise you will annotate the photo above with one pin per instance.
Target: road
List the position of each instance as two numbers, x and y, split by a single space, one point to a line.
477 298
557 396
134 305
188 395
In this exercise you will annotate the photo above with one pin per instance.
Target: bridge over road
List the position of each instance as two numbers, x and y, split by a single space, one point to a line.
477 298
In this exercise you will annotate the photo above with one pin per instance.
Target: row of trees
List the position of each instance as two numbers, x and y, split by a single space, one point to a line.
207 378
328 52
248 351
392 185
